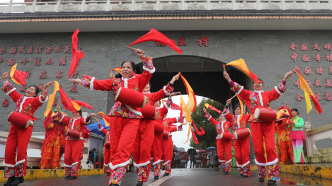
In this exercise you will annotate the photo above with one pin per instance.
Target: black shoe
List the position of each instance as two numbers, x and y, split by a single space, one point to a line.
66 177
108 173
225 173
114 185
139 183
271 182
9 180
245 176
156 177
241 174
72 177
261 179
166 174
16 181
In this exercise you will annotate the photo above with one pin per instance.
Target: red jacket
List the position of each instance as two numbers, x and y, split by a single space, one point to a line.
25 105
237 121
76 124
161 112
156 96
221 127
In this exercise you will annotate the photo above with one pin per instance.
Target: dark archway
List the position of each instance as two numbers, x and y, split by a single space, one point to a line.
203 74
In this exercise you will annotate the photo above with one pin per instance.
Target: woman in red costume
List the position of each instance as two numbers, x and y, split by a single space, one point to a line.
157 149
106 148
241 146
145 133
74 146
260 99
54 143
223 146
18 138
168 142
124 120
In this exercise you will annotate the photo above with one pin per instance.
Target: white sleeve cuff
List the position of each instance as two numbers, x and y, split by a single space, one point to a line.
12 90
209 117
151 71
238 92
164 88
91 83
42 100
277 90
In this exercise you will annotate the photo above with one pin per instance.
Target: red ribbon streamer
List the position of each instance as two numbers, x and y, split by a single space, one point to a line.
155 35
198 132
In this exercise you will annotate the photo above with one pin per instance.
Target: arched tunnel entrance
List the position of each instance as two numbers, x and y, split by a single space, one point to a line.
203 74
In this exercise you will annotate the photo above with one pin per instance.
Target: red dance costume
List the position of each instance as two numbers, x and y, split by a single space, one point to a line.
168 142
18 137
261 99
223 146
106 150
241 146
53 145
157 149
145 137
124 120
74 146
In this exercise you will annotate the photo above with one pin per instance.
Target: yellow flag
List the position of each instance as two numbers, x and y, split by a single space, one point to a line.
77 107
188 135
191 105
185 110
307 100
206 105
241 105
102 114
12 72
51 98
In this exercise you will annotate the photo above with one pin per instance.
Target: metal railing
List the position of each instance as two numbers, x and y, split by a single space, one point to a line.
18 6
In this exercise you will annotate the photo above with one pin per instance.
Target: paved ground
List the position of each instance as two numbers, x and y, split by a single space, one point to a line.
186 177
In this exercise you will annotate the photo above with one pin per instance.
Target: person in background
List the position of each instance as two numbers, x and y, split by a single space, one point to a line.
204 160
212 158
53 146
177 159
192 160
186 157
297 137
198 160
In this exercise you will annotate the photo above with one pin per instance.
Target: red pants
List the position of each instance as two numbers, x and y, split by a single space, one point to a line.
157 149
224 146
143 143
18 138
168 150
122 136
242 151
106 157
266 129
73 152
